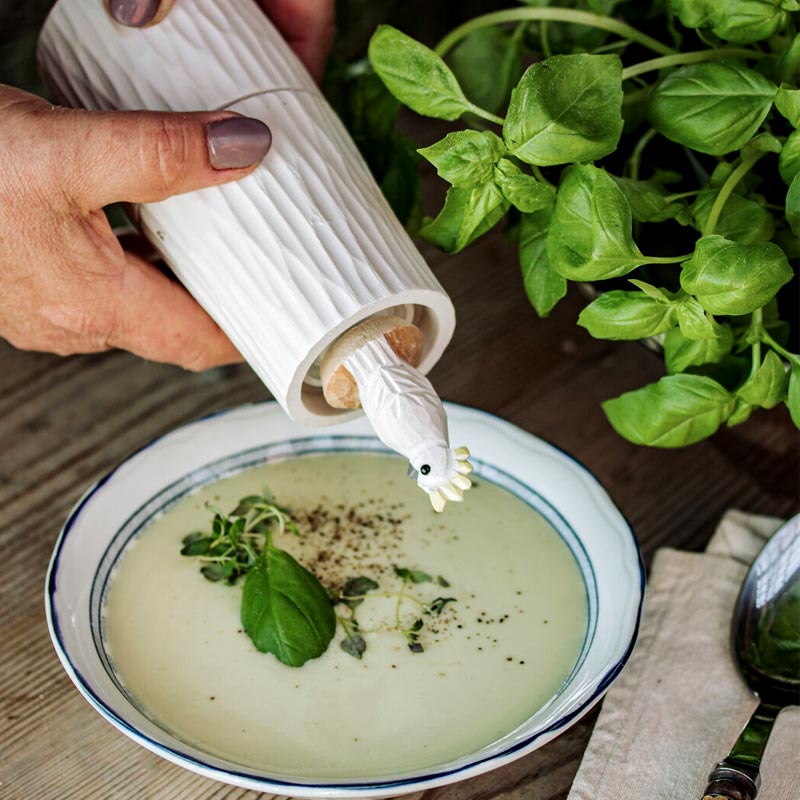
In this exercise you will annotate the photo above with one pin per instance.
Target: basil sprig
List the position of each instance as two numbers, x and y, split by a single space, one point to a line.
285 609
703 139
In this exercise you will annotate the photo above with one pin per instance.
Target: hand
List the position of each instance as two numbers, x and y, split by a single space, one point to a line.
307 25
66 284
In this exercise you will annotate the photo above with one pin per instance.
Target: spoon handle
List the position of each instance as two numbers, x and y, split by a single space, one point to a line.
737 777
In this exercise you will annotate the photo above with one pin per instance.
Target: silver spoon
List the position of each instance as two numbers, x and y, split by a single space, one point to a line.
766 643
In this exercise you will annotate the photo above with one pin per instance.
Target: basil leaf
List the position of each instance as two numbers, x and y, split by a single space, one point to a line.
566 109
467 214
543 285
793 205
673 412
793 396
742 220
626 315
465 158
487 63
714 108
741 413
787 101
523 191
730 278
740 21
285 610
787 69
789 158
650 201
415 75
693 320
681 352
590 235
768 387
655 292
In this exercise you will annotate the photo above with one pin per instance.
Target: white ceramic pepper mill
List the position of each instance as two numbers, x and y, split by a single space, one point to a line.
297 260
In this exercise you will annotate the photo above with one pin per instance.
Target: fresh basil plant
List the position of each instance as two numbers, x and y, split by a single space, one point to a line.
568 151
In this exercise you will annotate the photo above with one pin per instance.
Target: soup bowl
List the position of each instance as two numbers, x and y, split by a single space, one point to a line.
116 508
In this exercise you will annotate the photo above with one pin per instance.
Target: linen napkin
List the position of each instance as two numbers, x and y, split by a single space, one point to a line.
680 703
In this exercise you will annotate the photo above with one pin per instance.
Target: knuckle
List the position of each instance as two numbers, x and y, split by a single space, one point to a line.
170 150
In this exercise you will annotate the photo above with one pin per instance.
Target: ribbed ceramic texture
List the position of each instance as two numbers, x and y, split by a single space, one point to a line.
290 257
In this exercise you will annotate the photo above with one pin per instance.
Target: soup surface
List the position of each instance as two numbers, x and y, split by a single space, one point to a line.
492 656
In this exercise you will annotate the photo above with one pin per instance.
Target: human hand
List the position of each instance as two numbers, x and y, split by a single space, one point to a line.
66 284
307 25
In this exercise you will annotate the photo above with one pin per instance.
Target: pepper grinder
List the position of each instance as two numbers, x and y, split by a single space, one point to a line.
302 263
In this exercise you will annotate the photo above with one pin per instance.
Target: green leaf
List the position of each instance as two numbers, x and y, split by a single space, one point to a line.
354 644
742 220
543 285
730 278
673 412
413 575
655 292
590 235
467 214
566 109
196 546
285 609
787 69
487 64
741 413
465 158
787 101
793 205
681 352
626 315
415 75
793 396
789 158
693 320
213 572
714 108
354 589
523 191
768 387
650 201
740 21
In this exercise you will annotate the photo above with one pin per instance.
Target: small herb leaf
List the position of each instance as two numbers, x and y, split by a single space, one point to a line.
740 21
354 644
793 397
675 411
682 352
626 315
590 232
467 214
714 108
285 609
731 278
789 158
413 575
415 75
768 386
787 101
465 158
543 285
742 220
523 191
566 109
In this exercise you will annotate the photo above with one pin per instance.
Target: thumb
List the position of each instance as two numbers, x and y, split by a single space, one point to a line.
147 156
159 320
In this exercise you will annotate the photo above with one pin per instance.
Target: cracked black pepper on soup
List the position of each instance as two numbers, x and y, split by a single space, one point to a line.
470 620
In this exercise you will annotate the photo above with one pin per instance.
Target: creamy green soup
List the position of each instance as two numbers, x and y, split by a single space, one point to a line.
491 658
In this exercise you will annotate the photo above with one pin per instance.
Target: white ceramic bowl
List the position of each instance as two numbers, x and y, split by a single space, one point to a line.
123 502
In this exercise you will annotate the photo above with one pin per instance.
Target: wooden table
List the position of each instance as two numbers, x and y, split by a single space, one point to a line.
65 421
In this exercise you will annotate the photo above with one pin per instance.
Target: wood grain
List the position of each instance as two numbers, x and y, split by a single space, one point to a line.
65 421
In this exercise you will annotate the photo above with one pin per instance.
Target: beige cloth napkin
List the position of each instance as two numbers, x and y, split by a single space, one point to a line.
680 704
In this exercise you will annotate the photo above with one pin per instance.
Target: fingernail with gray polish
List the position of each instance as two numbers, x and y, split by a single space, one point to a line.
237 142
133 13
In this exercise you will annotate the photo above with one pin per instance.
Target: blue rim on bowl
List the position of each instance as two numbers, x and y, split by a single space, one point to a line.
196 454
